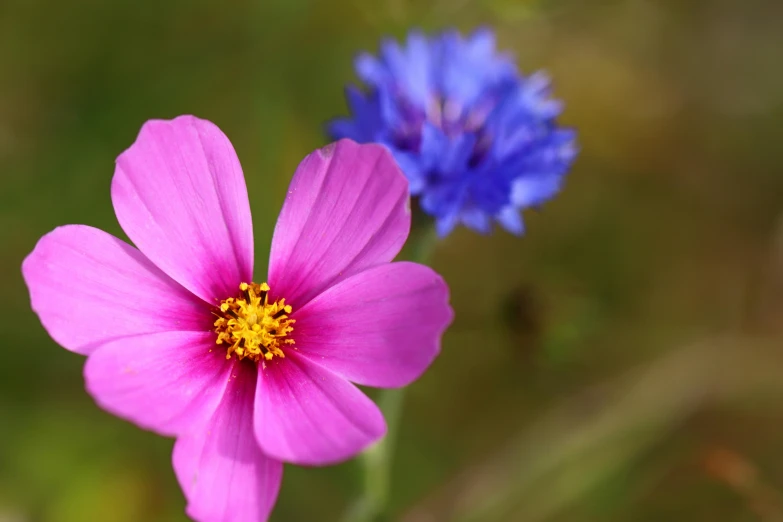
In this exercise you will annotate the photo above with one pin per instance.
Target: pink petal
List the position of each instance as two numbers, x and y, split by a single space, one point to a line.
346 210
180 195
224 474
89 288
164 382
308 415
381 327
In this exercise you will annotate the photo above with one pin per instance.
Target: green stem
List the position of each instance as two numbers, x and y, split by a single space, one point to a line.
377 460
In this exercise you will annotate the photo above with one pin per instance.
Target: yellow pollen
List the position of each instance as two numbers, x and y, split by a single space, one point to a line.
251 326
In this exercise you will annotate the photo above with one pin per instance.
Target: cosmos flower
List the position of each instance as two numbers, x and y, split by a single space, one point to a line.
181 341
477 140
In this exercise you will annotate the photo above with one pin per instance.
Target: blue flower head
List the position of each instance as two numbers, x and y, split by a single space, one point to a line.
477 140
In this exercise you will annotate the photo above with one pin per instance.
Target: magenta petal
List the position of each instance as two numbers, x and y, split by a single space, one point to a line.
381 327
346 210
180 195
222 471
88 288
308 415
164 382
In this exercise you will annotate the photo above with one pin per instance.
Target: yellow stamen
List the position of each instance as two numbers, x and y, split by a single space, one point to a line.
251 326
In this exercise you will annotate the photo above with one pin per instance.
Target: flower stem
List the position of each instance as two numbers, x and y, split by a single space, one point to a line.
377 460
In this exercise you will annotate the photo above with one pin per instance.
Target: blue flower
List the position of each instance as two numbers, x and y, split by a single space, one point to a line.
477 140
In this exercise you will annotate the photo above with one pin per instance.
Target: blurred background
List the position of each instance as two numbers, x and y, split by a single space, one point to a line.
621 362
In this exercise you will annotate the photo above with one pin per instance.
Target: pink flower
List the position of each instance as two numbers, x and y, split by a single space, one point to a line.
247 376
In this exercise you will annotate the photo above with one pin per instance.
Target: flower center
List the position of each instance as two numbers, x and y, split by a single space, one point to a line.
451 118
251 326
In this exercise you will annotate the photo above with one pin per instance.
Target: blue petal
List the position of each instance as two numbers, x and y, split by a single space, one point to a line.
418 81
365 108
448 154
371 70
533 189
445 224
409 69
535 94
411 167
433 144
345 128
476 219
482 43
471 68
510 219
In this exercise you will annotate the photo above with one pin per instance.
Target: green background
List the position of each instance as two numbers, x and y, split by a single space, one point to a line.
621 362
